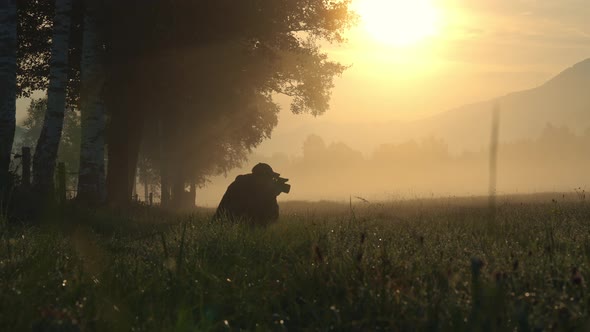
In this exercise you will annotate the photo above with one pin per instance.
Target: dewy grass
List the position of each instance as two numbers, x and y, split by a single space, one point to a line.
431 265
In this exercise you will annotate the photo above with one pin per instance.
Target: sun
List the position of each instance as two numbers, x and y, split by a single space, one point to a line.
398 22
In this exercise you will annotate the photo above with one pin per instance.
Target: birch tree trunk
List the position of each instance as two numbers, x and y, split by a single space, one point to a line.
146 187
91 181
164 173
7 86
46 150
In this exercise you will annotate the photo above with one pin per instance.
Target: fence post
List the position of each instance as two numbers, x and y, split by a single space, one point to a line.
61 183
151 199
26 167
493 168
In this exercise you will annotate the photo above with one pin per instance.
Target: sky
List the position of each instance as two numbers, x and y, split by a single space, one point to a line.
472 50
458 52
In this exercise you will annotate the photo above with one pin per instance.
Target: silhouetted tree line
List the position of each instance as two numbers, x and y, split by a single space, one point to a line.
184 86
556 160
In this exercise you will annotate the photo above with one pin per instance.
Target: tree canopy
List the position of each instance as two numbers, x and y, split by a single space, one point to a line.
194 78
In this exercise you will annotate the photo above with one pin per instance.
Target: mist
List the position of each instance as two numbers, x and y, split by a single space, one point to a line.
544 134
396 122
555 161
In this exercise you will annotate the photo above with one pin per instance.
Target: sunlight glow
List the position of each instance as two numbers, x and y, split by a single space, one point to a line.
398 22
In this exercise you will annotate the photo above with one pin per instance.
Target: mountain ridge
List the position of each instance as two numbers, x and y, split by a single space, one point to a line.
561 101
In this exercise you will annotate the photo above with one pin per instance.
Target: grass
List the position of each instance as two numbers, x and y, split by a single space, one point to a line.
425 265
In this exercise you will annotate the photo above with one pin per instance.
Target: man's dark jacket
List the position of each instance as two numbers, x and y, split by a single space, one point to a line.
251 198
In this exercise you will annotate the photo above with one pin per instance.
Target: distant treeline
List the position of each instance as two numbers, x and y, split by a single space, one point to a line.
556 160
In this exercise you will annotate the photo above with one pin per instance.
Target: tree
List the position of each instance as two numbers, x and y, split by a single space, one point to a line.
205 61
191 66
44 160
91 186
69 145
35 27
8 32
314 147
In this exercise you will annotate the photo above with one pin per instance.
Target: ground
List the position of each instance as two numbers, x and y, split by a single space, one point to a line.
428 265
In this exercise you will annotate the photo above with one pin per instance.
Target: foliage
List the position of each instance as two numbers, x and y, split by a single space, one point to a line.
35 24
206 71
69 147
254 51
417 265
35 27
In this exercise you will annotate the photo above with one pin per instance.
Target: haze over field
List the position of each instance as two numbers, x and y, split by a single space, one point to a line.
527 55
411 116
482 50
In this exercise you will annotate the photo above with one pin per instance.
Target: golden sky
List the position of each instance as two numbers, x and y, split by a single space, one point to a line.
414 58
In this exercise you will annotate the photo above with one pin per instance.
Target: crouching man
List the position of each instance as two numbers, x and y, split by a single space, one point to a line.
252 198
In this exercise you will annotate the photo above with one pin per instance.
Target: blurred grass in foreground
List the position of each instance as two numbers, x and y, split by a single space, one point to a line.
433 265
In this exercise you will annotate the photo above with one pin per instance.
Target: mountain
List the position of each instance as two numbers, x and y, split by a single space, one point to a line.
562 101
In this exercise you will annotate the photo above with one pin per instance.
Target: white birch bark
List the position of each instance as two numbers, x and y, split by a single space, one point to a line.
7 85
45 157
91 180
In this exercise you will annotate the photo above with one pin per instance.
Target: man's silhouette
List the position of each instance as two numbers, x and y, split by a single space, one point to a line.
252 197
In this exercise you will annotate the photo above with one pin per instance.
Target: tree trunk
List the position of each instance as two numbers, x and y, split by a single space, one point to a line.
164 173
144 178
45 157
164 186
7 86
146 186
91 180
178 192
124 141
193 194
134 193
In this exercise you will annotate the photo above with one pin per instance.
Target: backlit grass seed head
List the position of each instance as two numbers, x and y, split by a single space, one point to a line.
170 264
476 265
359 257
515 265
319 258
499 276
577 278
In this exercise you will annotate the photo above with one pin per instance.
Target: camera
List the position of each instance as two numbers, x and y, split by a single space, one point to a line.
282 185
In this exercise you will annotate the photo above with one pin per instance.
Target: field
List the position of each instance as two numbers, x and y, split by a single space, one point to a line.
416 265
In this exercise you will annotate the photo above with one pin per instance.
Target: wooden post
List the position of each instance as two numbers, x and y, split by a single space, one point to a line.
61 183
134 184
26 167
493 168
192 194
164 187
178 194
164 174
151 199
145 184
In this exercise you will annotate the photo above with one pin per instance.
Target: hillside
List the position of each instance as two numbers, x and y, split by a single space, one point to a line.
562 101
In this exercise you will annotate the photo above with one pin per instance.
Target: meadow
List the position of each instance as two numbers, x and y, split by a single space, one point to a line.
413 265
